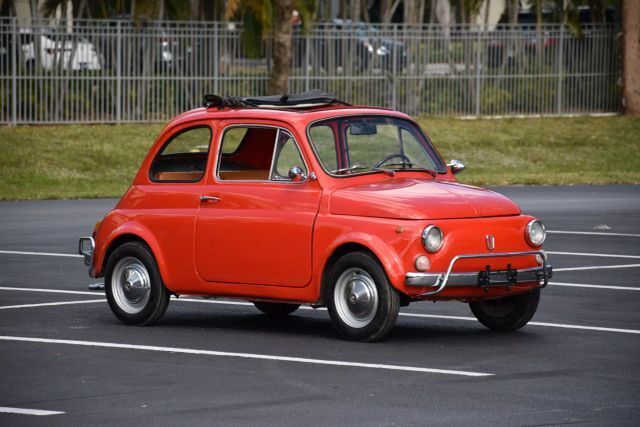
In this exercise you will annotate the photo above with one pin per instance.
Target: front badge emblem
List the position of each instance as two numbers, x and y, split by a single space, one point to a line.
491 241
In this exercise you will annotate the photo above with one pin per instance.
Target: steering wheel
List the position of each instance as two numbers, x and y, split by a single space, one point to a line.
393 156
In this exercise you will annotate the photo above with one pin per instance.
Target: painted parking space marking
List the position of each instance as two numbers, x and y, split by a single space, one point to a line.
49 304
593 233
595 267
593 255
404 314
585 285
246 356
25 411
53 291
41 254
547 324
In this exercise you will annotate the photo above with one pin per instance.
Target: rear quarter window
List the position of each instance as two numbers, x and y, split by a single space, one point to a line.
184 157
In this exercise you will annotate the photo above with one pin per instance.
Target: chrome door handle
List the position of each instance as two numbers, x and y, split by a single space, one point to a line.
209 199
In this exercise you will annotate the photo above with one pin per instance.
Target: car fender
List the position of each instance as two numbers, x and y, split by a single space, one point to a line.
389 258
138 232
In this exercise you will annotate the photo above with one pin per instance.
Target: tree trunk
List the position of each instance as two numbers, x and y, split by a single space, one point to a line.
282 46
631 57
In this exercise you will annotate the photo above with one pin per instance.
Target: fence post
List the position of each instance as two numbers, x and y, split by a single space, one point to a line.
307 46
478 80
394 74
560 70
14 73
216 59
119 73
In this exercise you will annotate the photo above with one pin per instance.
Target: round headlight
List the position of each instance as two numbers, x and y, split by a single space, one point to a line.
535 233
432 238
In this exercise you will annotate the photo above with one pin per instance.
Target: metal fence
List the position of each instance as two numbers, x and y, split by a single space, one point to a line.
115 71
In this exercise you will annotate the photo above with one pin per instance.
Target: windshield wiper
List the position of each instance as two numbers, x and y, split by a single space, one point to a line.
361 166
411 168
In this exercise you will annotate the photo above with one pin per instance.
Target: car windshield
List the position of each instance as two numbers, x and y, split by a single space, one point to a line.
361 144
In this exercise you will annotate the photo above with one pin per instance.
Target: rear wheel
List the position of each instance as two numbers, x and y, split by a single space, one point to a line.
134 288
362 304
276 309
508 313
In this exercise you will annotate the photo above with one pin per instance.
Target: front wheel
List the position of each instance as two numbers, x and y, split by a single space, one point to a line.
134 288
508 313
362 304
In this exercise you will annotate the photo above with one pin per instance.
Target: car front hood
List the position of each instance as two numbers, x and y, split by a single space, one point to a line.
420 199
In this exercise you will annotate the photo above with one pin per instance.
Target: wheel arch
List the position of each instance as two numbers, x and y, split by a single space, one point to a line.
383 254
125 235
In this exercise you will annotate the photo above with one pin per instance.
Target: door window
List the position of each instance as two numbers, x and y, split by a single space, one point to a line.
253 153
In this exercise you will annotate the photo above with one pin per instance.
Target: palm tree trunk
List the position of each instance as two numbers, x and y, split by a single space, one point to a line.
282 45
631 57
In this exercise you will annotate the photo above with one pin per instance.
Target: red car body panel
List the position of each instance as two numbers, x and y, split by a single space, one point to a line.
272 241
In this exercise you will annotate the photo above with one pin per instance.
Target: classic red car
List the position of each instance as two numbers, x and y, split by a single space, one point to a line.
304 199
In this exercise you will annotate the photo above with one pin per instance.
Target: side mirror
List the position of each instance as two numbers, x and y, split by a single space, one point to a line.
297 174
456 166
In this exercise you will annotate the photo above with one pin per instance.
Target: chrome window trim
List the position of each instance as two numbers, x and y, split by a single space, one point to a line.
315 153
224 130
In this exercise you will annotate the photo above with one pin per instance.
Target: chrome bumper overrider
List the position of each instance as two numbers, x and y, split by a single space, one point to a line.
86 245
486 278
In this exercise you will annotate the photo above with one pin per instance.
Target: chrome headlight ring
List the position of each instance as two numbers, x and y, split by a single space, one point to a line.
432 238
535 232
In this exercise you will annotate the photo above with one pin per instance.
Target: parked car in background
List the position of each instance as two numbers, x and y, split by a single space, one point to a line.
55 50
502 48
302 199
369 48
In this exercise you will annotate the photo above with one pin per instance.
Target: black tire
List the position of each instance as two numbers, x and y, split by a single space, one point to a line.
351 274
276 309
144 311
508 313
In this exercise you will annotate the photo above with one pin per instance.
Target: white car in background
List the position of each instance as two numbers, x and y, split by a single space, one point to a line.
52 52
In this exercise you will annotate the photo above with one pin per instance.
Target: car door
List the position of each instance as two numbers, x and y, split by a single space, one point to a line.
255 223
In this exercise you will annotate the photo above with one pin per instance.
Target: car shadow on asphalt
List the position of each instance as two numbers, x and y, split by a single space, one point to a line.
315 325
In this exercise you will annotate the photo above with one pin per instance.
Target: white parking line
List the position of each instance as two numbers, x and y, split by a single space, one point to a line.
594 255
25 411
47 304
40 254
552 325
53 291
555 325
583 285
593 233
247 356
595 267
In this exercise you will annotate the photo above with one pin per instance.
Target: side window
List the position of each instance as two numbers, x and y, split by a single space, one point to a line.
256 153
287 155
184 157
245 153
232 139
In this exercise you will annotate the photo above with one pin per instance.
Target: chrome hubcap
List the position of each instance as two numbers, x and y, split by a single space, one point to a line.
131 285
356 297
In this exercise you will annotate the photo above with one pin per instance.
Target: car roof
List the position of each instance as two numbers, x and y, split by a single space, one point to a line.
292 116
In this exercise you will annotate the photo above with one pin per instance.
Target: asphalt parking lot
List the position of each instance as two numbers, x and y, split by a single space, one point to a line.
222 363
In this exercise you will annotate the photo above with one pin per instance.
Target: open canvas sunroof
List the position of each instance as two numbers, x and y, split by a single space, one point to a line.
310 99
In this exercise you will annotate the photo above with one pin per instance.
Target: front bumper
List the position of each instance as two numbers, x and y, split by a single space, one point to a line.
486 278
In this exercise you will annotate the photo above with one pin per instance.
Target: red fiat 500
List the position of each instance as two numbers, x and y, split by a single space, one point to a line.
303 199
